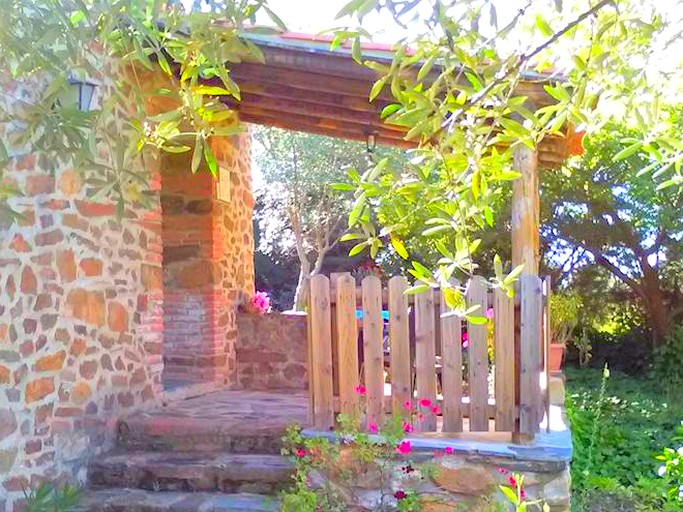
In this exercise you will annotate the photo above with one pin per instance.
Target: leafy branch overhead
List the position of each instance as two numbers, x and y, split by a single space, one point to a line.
461 87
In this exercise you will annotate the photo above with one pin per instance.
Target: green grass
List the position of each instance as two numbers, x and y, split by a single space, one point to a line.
635 421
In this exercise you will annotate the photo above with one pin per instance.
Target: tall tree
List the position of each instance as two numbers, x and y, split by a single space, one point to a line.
301 211
602 210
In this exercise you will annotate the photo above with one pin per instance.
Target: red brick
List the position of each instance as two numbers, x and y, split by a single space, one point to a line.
36 185
39 388
91 267
66 263
77 347
88 369
92 209
86 306
50 238
16 483
49 363
33 446
70 182
74 221
117 318
4 374
80 392
26 162
19 244
151 277
29 284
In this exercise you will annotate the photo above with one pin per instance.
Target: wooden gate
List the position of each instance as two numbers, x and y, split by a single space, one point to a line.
402 348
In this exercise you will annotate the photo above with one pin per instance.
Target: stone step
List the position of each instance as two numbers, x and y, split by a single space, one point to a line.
192 471
137 500
199 435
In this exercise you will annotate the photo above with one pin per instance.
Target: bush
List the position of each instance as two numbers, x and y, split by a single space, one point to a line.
667 363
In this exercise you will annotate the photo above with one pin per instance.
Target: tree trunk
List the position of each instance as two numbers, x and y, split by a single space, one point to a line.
300 293
656 309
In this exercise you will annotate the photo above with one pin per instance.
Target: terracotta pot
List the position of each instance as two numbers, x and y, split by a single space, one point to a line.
556 355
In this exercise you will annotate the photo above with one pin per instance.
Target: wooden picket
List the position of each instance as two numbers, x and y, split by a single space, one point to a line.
424 350
399 343
373 349
478 357
451 370
320 325
347 346
425 354
504 349
530 357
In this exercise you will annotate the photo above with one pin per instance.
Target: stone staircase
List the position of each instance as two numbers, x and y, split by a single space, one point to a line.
172 463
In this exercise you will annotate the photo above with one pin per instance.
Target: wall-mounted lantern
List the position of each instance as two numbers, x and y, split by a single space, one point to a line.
78 93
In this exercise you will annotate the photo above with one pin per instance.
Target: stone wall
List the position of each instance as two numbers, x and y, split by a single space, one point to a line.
80 318
272 351
462 477
208 261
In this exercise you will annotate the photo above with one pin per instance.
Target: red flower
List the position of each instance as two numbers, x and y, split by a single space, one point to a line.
407 405
400 495
361 390
372 427
513 481
522 493
300 452
436 410
448 450
425 402
403 448
465 340
407 427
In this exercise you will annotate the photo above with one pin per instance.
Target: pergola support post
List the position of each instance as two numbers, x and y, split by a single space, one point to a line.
525 215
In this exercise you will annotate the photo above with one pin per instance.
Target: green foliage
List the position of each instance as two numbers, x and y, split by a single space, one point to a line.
565 308
667 364
672 467
455 89
617 429
50 498
614 236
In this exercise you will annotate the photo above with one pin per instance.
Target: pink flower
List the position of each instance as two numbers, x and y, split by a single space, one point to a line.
420 417
448 450
513 481
300 453
361 390
407 405
400 495
372 427
522 494
261 302
407 427
465 340
403 448
489 313
436 410
502 471
425 402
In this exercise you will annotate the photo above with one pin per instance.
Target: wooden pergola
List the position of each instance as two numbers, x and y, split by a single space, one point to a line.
303 85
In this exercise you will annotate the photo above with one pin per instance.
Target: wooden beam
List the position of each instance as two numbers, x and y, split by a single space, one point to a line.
301 79
323 127
525 211
271 106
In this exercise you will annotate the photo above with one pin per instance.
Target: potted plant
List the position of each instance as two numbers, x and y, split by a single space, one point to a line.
565 308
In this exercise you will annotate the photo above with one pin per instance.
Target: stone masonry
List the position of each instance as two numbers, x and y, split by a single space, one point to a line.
272 351
80 318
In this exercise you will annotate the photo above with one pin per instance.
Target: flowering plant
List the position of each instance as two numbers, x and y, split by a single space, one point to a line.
333 475
260 302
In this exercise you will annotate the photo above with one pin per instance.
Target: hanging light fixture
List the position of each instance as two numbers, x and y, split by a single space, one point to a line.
371 142
78 93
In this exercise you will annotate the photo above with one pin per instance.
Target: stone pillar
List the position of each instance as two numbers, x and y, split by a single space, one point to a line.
208 261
